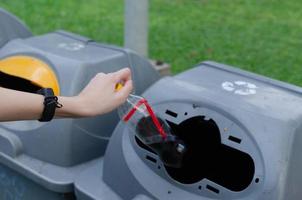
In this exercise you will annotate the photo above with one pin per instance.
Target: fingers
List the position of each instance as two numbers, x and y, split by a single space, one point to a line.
122 75
98 76
124 92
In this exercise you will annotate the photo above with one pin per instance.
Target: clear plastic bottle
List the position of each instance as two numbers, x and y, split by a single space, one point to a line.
152 130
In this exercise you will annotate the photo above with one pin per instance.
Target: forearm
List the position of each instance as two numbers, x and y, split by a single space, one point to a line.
17 105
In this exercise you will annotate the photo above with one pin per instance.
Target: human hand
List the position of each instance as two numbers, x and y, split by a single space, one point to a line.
100 96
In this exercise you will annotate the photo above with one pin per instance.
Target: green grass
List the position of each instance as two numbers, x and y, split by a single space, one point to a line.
263 36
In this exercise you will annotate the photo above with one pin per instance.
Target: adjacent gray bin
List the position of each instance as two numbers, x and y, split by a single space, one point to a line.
42 160
11 27
243 133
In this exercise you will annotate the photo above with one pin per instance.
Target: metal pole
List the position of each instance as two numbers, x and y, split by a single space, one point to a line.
136 26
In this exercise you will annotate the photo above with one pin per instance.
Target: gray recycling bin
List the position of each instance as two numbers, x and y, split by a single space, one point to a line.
243 134
11 27
42 160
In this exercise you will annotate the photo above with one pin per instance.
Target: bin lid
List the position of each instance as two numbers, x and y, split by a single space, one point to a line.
32 69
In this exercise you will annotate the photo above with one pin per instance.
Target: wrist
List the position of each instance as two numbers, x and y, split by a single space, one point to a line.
72 107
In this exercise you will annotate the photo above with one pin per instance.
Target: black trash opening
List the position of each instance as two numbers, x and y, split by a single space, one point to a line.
206 157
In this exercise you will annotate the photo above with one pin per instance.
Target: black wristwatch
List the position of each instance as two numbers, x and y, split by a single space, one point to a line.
50 104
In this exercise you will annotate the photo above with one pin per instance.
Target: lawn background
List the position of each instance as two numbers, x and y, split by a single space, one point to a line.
263 36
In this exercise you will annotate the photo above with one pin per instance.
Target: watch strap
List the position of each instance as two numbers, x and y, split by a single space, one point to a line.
50 104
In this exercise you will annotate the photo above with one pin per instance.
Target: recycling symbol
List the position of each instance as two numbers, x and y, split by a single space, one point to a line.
240 87
73 46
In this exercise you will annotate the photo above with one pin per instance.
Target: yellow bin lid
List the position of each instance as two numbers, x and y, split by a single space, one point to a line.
31 69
